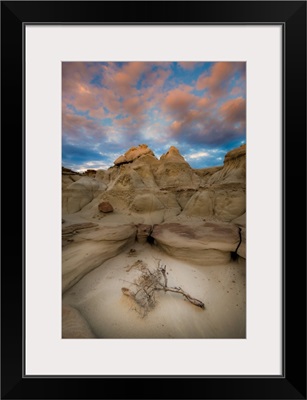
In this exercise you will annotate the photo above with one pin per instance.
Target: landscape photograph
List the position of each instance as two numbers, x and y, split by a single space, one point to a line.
154 200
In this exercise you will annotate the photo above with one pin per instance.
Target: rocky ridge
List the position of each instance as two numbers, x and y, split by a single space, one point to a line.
197 215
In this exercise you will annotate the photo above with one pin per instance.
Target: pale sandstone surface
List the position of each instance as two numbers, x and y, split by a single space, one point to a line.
208 243
90 249
194 219
78 194
99 298
240 221
74 325
242 248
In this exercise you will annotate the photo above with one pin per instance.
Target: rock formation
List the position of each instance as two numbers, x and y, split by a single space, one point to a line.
91 248
147 210
105 207
74 326
191 214
207 243
133 153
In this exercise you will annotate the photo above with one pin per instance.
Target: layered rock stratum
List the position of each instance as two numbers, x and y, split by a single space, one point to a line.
194 215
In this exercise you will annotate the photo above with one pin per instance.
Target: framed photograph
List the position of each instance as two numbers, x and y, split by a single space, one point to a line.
163 156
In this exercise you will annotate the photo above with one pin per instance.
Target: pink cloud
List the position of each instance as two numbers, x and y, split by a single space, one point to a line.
185 88
156 78
74 125
217 82
76 78
133 106
189 120
98 113
185 111
178 101
234 111
124 121
109 100
74 73
176 126
85 98
203 102
188 64
236 91
127 77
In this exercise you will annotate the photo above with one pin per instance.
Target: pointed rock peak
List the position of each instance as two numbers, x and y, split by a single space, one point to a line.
173 155
133 153
173 150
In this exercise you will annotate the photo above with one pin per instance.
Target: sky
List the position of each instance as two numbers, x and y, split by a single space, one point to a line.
108 107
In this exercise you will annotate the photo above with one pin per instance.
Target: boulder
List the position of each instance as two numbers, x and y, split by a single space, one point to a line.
105 207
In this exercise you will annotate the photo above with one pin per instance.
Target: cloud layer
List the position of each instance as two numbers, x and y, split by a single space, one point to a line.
108 107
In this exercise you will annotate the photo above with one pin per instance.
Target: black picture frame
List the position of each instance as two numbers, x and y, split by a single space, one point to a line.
292 16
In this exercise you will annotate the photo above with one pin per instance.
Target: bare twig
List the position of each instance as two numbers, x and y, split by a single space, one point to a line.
149 282
196 302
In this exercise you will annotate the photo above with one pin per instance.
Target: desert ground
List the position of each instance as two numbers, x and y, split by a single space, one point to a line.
180 230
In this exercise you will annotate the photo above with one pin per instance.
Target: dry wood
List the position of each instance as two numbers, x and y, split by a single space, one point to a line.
196 302
148 283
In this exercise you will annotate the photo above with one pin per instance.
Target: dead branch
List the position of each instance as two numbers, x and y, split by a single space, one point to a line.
196 302
148 283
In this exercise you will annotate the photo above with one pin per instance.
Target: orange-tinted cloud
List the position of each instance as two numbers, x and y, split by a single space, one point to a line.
124 121
219 79
179 101
74 125
133 106
236 91
203 102
156 78
109 100
189 121
74 73
85 99
109 106
188 64
127 77
98 113
234 110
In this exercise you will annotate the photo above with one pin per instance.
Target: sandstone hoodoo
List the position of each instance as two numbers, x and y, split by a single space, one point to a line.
172 155
133 153
168 234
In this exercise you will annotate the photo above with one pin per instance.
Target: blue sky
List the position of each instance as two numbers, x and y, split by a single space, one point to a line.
108 107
